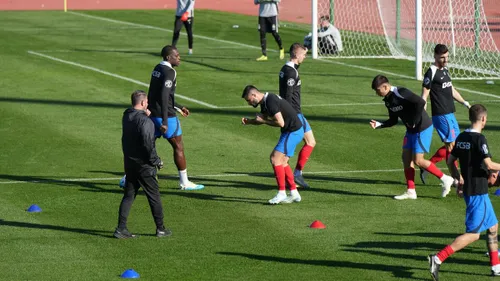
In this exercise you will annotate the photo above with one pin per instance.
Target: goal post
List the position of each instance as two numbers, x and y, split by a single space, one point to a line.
409 29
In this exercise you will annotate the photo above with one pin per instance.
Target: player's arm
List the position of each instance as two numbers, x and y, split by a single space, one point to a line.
184 111
417 101
452 167
147 131
393 120
426 86
166 90
459 98
276 121
287 81
328 31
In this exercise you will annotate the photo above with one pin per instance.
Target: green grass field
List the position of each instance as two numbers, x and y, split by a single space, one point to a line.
66 80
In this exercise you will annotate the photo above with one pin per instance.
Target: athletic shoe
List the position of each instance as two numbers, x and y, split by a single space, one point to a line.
446 183
123 233
423 175
280 197
190 52
292 198
406 195
191 186
165 232
262 58
495 270
282 54
299 179
433 267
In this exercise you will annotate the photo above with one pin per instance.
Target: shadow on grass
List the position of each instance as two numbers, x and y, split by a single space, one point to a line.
101 233
86 183
397 271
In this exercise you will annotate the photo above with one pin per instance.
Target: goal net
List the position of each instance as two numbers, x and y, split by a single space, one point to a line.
387 29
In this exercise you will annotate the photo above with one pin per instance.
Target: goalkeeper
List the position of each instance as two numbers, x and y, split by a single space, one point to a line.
268 23
329 39
184 15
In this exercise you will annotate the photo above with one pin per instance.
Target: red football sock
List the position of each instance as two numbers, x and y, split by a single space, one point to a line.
289 178
434 170
494 258
304 154
410 177
440 154
445 253
279 173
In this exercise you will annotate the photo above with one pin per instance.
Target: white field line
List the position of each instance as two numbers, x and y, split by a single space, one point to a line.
314 105
204 176
116 76
131 49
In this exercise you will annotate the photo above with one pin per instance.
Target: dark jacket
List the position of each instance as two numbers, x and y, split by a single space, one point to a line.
138 143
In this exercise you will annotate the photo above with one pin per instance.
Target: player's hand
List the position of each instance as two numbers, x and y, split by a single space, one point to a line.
374 124
184 111
244 121
260 118
148 112
163 129
160 165
185 16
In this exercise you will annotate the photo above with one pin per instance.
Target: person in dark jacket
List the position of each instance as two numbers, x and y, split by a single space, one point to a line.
141 163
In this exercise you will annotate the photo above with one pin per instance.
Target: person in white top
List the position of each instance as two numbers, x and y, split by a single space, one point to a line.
184 15
329 39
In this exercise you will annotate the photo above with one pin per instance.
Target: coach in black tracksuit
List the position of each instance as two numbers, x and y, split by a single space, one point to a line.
140 161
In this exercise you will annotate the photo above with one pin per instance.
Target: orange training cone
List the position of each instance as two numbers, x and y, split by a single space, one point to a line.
317 224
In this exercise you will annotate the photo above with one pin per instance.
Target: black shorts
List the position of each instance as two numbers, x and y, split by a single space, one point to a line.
178 23
268 24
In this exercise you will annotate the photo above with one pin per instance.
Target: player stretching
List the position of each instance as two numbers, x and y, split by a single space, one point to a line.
402 103
290 84
437 84
475 162
277 112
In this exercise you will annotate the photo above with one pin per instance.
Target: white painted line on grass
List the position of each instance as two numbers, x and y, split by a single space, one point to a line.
315 105
205 176
116 76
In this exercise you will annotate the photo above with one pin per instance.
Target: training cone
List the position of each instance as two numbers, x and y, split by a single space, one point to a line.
34 209
497 192
130 273
317 224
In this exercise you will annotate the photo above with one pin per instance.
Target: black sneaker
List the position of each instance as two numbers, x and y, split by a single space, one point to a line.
433 267
299 179
423 175
123 233
163 232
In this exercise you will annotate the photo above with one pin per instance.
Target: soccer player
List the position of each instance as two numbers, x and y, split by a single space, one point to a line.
437 84
163 109
277 112
268 23
184 16
402 103
290 85
471 149
141 162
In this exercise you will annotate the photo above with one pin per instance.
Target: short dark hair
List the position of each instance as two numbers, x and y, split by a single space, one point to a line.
294 48
167 51
137 96
440 49
248 89
379 80
476 112
325 18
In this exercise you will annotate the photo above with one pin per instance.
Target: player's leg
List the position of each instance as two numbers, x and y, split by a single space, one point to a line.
273 22
278 160
263 42
189 29
409 171
150 186
492 241
177 30
422 144
439 122
291 142
305 152
174 137
129 193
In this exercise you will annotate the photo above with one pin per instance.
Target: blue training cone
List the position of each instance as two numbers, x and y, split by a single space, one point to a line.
497 192
130 273
34 209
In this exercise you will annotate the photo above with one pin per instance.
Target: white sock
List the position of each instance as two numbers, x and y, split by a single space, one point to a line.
297 172
282 192
294 192
183 176
437 260
443 177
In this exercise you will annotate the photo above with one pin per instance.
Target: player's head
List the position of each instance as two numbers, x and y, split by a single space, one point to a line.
298 53
494 179
252 95
441 55
478 114
139 100
171 55
381 85
324 21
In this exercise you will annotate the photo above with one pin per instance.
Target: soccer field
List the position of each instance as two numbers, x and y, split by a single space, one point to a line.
66 80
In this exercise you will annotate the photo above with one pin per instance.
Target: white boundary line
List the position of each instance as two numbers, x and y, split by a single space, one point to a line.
316 105
206 176
116 76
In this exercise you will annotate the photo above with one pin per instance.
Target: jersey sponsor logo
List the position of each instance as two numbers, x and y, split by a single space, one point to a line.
485 149
156 74
446 85
427 81
463 145
396 108
168 83
290 82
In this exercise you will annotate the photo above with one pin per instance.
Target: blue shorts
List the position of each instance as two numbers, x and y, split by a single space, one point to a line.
305 125
479 214
418 142
446 126
289 141
173 130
